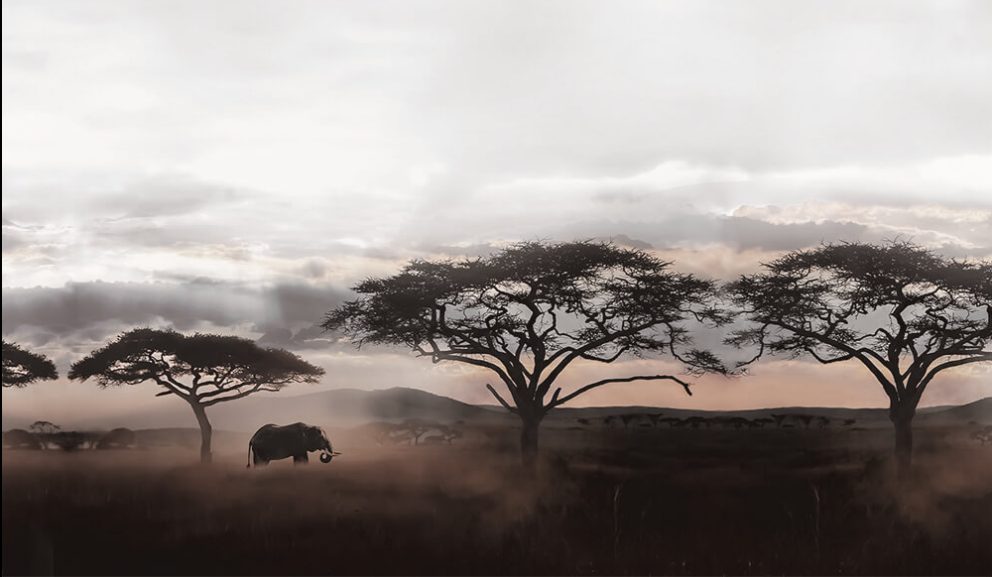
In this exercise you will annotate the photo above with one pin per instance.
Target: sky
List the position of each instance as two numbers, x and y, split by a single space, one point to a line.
237 166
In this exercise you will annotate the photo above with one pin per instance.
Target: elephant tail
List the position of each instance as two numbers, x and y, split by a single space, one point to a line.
251 449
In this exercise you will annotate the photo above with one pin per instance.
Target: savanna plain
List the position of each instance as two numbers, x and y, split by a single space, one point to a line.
604 501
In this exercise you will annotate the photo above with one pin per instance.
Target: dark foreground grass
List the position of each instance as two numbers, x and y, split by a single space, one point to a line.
608 502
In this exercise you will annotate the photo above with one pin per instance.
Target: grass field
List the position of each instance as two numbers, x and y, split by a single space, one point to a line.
665 501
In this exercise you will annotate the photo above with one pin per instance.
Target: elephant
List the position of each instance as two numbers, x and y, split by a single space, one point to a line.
273 442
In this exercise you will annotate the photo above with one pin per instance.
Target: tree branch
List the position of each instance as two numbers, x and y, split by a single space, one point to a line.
984 357
602 382
501 400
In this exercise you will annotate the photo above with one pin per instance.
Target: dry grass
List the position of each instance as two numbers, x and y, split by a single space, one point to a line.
606 502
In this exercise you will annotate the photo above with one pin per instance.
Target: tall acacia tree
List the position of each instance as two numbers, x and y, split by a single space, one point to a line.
21 367
905 313
202 369
527 313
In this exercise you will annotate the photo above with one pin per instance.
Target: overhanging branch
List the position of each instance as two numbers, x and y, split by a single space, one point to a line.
590 386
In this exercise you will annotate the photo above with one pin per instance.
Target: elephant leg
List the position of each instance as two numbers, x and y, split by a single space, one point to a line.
259 461
300 459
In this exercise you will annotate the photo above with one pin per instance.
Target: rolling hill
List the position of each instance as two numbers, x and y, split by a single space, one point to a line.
336 408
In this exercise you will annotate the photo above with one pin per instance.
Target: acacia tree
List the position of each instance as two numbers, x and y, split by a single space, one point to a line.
21 367
202 369
44 427
902 311
530 311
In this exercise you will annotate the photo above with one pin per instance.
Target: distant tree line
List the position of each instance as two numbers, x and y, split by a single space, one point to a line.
47 435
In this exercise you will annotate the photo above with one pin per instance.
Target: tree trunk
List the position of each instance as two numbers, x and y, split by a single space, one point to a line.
206 432
528 443
902 419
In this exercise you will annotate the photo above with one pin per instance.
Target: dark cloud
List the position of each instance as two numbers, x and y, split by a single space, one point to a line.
311 337
735 232
92 311
751 233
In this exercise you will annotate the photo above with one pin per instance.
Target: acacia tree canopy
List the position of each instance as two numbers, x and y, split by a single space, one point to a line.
22 367
203 368
528 312
902 311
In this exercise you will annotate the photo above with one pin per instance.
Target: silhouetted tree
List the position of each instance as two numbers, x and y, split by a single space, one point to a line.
119 438
904 312
529 312
68 440
21 439
21 367
201 369
805 420
417 428
44 427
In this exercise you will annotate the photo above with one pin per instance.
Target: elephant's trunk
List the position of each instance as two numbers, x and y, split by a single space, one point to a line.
327 453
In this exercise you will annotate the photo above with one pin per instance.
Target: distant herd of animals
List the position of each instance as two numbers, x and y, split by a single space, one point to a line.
980 434
784 421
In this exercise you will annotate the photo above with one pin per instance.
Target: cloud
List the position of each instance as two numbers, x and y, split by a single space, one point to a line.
733 232
80 312
166 198
282 152
31 197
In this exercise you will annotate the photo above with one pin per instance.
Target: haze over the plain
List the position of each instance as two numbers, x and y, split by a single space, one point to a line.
236 166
